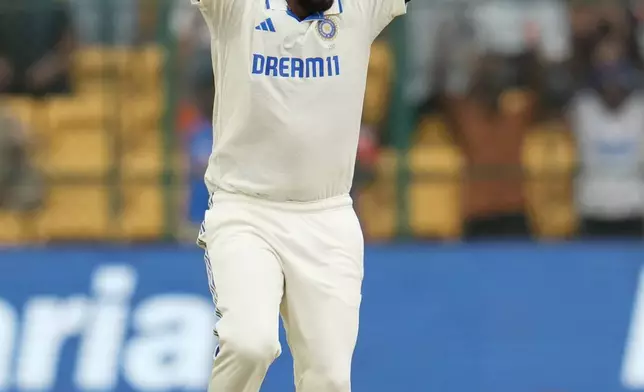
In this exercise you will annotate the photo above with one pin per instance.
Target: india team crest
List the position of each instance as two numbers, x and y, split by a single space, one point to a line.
328 28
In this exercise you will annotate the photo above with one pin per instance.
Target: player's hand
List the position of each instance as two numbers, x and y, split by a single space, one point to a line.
6 73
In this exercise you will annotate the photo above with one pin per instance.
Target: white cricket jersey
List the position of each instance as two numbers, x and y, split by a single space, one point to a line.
289 95
611 149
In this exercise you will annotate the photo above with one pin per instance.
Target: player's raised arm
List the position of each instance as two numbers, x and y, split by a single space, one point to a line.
379 13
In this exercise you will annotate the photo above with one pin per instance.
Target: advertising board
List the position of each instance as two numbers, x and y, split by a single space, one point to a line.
451 318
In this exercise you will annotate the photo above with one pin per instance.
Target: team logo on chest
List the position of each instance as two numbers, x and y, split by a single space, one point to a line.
328 28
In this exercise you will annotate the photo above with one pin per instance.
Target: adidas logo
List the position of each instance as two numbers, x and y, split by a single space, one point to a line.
266 25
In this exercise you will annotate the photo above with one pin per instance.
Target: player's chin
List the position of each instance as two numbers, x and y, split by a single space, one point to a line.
314 6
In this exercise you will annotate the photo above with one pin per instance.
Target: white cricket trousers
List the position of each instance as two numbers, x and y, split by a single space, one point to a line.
301 260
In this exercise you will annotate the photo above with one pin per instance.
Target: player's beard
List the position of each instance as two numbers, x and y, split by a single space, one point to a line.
315 6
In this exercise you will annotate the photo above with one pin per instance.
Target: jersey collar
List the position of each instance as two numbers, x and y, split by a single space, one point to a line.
281 5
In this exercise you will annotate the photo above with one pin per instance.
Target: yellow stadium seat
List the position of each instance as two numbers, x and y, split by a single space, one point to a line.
549 159
28 112
143 157
152 57
102 61
378 84
100 68
148 71
387 164
381 60
548 151
141 112
377 205
377 209
435 192
75 212
440 159
97 86
143 211
82 112
374 104
433 130
134 69
11 228
75 153
435 209
21 108
87 153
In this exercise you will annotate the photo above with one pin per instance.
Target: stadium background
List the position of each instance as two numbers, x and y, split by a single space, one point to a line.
484 272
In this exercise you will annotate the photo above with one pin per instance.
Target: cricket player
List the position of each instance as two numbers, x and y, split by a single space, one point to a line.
281 235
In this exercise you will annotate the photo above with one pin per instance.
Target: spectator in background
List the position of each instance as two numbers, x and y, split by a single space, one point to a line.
585 22
607 120
490 123
20 184
35 47
492 57
591 23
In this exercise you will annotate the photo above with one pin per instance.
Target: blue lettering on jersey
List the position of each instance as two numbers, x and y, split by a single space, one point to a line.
296 68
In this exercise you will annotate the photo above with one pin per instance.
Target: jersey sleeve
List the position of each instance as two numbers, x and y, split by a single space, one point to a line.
217 13
379 13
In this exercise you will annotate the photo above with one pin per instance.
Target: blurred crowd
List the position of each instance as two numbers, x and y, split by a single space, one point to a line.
519 118
535 110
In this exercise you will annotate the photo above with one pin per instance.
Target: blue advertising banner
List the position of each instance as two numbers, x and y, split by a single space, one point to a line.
450 318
